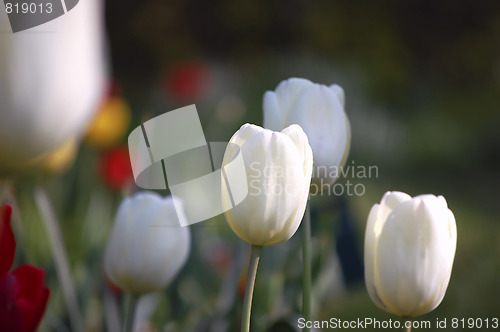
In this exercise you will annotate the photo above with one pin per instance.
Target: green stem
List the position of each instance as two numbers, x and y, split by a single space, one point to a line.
60 256
406 320
252 273
132 306
306 256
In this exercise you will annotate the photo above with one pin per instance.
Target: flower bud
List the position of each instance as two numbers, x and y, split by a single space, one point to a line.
319 110
409 250
278 168
51 81
143 254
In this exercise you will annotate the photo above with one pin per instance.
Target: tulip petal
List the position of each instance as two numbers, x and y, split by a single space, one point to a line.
32 298
287 93
371 237
278 183
321 116
414 256
244 133
337 89
7 240
299 138
376 222
143 254
275 210
272 113
31 280
348 140
389 201
9 289
50 83
40 310
319 109
410 245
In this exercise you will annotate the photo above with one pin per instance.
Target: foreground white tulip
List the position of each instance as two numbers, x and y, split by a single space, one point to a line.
51 80
319 110
143 254
409 250
278 167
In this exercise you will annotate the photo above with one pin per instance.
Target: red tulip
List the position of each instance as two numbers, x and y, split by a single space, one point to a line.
115 168
23 297
187 80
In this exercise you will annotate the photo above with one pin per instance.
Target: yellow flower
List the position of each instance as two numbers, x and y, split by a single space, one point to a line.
110 123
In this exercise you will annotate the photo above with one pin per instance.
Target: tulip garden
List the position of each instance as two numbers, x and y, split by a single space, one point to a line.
250 184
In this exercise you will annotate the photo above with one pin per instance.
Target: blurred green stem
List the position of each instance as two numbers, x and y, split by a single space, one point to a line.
132 306
406 320
252 273
306 256
111 314
60 257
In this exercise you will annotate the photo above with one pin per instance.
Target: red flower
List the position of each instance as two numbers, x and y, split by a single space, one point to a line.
187 80
115 168
23 297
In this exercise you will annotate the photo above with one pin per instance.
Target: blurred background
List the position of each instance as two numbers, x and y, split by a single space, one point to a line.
422 87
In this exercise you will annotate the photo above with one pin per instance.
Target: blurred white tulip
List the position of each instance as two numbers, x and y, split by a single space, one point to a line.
51 80
278 169
143 253
319 110
409 250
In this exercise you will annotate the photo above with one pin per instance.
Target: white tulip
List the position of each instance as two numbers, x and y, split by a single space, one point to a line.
409 250
319 110
51 80
143 253
278 169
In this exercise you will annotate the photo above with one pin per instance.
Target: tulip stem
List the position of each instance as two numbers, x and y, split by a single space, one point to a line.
132 306
406 324
252 273
60 256
306 256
